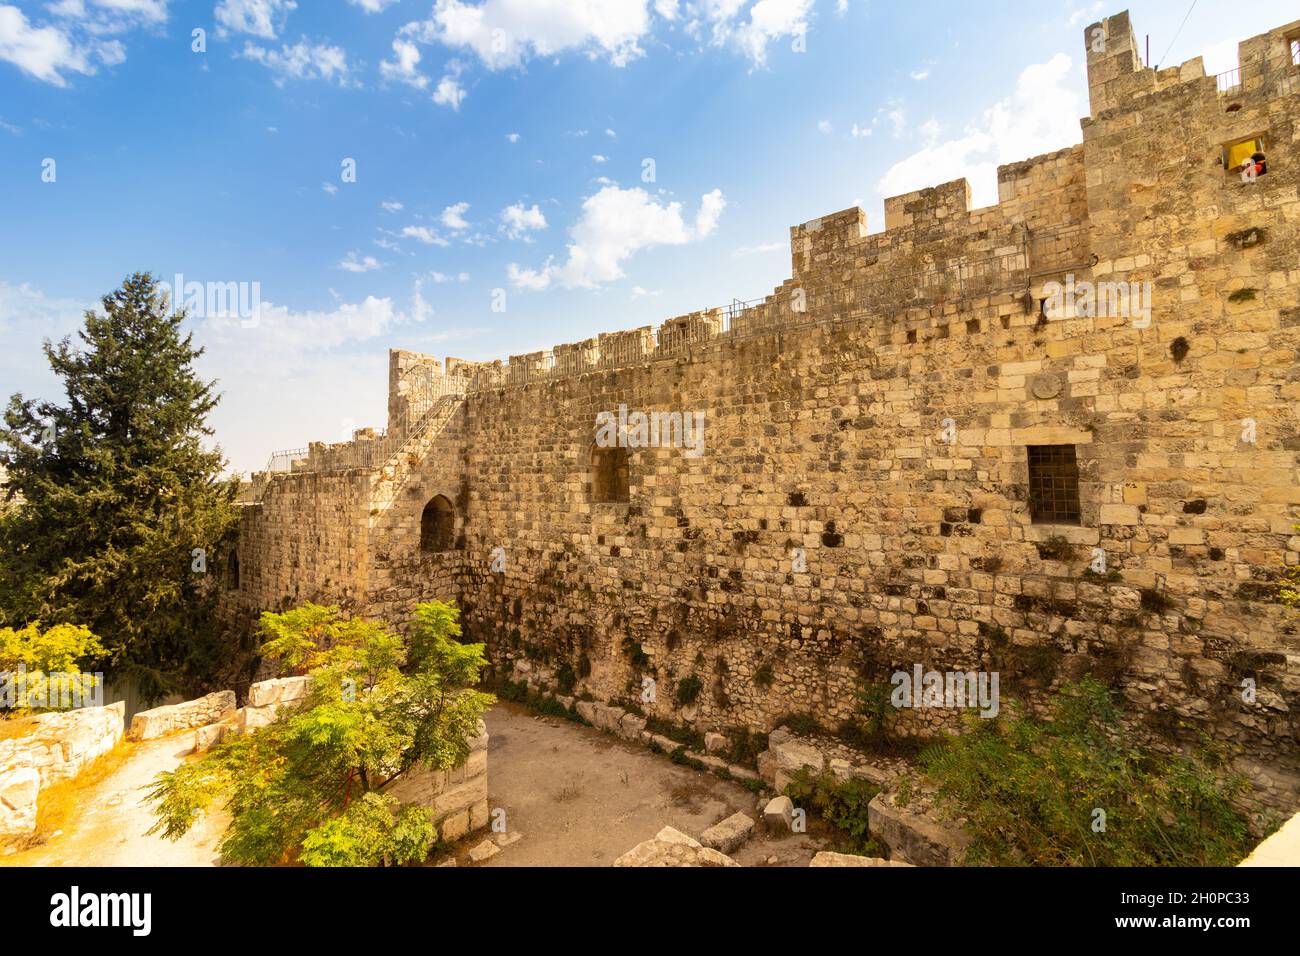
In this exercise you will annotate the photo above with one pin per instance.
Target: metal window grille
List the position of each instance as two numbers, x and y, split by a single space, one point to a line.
1053 484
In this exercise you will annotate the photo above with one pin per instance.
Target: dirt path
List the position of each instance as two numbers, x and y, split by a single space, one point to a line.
109 828
579 797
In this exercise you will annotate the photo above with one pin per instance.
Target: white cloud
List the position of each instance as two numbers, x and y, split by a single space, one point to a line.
1040 116
508 33
598 158
330 188
513 137
769 20
667 9
449 91
261 18
824 126
363 264
391 206
517 221
373 6
763 249
425 235
616 224
302 61
402 68
611 134
441 278
46 52
453 217
920 74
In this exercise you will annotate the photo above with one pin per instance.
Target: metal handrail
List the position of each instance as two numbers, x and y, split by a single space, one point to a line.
1228 80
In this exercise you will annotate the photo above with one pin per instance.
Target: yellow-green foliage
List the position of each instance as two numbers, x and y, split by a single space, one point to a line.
50 661
1290 593
313 787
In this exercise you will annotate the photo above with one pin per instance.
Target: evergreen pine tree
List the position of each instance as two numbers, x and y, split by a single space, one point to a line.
118 515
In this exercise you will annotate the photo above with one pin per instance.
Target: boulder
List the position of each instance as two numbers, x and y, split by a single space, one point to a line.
18 791
278 690
728 835
793 755
484 852
778 815
587 711
827 858
671 847
715 743
630 726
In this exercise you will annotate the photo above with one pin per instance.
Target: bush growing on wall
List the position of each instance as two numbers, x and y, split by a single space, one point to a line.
1073 790
310 788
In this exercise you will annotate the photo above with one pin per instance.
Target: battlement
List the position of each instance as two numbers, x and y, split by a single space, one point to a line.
1100 201
1268 67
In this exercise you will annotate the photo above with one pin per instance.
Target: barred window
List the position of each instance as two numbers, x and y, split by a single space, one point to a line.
1053 484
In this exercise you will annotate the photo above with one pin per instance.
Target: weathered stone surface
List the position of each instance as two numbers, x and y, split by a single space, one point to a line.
161 721
60 744
913 537
728 835
778 814
912 838
278 690
484 852
671 847
454 826
630 726
827 858
18 791
715 743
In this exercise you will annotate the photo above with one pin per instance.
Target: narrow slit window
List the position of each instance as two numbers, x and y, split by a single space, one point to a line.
1295 51
1053 484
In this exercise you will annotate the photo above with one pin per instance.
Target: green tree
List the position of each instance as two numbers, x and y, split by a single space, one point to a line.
49 661
117 507
312 786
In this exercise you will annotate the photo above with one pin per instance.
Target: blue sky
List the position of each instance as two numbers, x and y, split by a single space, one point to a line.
501 152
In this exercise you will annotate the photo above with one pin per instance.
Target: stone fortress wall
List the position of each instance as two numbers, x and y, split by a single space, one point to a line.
873 417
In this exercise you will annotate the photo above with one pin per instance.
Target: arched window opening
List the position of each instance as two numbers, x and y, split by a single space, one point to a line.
437 526
610 475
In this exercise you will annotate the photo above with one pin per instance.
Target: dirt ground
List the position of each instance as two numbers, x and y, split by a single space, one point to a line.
575 796
109 827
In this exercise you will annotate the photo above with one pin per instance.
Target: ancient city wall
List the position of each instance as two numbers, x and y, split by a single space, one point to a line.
873 418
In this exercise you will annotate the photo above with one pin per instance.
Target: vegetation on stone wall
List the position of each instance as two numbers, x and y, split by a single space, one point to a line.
121 511
1073 789
840 803
1290 591
311 787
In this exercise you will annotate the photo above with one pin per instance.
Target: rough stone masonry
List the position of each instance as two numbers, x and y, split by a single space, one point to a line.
910 455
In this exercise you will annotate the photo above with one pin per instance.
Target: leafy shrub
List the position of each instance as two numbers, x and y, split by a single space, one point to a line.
50 661
687 690
841 803
1030 789
310 787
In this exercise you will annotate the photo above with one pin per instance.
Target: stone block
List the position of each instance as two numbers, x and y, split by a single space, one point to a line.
728 835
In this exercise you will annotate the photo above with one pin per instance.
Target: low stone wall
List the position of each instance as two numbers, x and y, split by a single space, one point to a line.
267 698
58 748
458 798
161 721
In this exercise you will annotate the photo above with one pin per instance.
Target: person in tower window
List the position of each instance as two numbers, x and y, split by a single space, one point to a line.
1254 167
